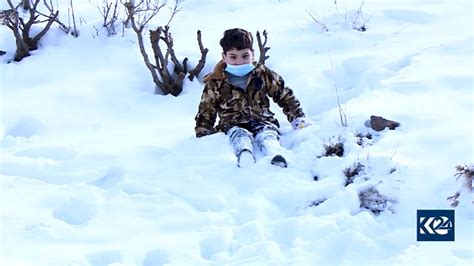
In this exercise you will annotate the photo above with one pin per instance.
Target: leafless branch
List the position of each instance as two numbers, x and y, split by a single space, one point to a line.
9 16
172 84
262 47
195 72
357 17
161 63
150 66
168 39
52 11
176 8
46 28
322 25
109 10
143 11
74 33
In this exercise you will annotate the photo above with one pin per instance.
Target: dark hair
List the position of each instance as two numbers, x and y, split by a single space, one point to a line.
236 38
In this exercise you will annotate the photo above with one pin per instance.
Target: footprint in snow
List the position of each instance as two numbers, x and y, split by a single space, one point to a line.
156 257
104 258
400 63
111 179
26 127
465 254
350 71
213 243
75 211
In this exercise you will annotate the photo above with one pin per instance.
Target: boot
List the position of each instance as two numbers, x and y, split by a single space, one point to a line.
245 159
280 161
242 142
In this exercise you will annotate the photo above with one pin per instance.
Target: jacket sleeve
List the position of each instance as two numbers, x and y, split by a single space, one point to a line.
283 96
207 112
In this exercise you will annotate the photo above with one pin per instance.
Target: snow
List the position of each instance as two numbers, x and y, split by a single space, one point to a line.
97 170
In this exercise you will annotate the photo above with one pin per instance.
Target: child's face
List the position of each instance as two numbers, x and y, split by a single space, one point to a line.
238 57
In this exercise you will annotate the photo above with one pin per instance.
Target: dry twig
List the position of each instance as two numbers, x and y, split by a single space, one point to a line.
342 112
322 25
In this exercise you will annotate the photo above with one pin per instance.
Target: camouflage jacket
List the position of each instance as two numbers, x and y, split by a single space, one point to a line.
234 105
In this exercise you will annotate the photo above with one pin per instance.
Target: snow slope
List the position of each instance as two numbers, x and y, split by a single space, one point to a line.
97 170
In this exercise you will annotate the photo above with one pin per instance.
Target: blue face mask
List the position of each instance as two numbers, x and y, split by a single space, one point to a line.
239 70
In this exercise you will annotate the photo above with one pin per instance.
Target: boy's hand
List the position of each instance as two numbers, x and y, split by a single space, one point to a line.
300 123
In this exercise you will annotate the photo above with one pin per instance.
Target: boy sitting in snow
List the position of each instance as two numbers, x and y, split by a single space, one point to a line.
237 91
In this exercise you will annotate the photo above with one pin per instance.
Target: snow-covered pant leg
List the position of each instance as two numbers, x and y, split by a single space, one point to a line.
268 141
241 139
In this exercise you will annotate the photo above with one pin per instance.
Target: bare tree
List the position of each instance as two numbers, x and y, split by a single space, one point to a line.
261 46
21 27
138 16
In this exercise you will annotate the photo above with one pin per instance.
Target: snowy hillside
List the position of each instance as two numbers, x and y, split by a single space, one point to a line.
97 170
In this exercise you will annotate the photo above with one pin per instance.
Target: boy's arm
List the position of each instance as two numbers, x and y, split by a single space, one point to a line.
284 97
207 113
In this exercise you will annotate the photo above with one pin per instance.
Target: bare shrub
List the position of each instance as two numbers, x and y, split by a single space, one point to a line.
110 11
71 16
333 149
21 27
138 16
466 174
352 171
357 21
372 200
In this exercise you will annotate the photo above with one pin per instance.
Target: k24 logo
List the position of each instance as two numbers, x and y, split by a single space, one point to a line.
435 225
